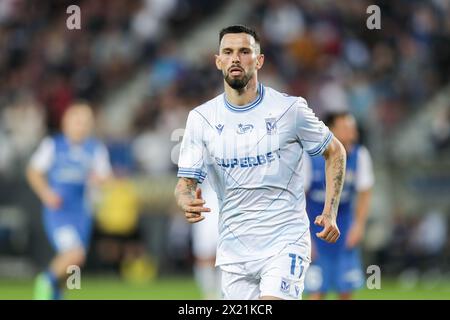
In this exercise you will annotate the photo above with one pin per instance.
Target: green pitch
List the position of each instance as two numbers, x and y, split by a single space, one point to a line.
185 288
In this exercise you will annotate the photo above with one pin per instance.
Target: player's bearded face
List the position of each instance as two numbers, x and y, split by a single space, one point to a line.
239 80
239 59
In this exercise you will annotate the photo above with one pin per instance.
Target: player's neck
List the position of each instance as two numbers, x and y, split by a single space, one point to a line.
244 96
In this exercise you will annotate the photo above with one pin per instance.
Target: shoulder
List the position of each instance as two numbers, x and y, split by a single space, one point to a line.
209 106
365 174
292 108
204 113
362 152
48 143
42 157
282 97
364 160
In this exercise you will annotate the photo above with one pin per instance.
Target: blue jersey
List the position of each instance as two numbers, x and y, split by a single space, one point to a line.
68 168
336 267
315 200
69 173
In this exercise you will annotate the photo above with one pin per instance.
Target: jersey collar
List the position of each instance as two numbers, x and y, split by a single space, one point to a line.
248 106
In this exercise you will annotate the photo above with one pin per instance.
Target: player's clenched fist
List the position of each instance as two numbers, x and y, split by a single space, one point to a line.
330 232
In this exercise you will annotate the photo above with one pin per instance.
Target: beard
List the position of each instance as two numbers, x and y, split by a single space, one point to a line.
238 83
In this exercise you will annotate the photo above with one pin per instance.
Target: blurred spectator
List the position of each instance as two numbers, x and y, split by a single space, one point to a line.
6 155
428 240
147 22
166 68
283 22
430 236
24 125
440 130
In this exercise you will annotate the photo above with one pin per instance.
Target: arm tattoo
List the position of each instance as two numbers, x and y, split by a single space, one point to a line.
338 181
185 188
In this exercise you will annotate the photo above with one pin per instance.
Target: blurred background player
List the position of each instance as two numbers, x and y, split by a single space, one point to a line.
59 173
204 242
338 267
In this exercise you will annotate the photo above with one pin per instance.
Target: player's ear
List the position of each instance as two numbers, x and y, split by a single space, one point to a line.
259 61
218 62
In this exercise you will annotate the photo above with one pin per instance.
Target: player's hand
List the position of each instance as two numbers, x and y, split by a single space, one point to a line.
51 199
193 208
354 236
330 232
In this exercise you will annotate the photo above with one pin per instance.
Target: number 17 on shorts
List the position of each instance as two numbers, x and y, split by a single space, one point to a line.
293 284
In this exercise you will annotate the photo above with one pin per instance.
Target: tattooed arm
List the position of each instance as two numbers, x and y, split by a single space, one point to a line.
189 199
335 160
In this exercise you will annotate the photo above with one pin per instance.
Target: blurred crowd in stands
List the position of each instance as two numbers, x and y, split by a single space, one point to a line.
321 50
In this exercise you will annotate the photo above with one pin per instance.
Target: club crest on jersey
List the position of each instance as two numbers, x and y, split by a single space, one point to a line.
244 128
219 128
271 125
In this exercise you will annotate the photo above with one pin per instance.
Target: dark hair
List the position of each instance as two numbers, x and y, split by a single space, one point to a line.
239 29
330 118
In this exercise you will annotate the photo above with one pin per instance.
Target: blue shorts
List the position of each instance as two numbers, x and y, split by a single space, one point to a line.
67 230
340 272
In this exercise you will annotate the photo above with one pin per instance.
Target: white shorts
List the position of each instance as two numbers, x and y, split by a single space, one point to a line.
281 276
205 233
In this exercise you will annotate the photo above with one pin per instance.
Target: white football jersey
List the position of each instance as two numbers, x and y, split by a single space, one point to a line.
253 157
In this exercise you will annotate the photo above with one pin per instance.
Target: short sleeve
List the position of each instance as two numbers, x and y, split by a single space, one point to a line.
364 174
42 158
307 171
312 133
101 165
191 162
